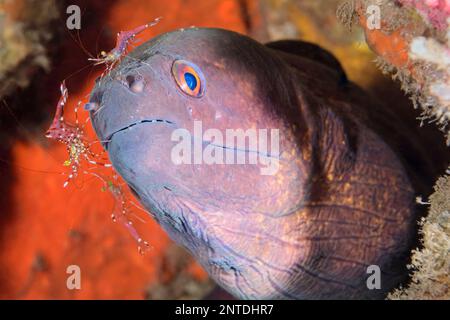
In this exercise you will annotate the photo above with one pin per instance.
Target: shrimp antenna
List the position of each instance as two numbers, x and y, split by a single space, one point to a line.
79 42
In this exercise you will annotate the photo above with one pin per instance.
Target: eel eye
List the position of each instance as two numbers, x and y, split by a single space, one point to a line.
189 78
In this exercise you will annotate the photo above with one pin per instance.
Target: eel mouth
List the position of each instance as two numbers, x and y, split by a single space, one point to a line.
108 139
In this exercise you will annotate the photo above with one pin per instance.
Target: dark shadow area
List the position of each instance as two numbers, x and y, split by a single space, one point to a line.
428 136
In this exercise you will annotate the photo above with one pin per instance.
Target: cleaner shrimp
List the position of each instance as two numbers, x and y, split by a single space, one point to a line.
123 40
72 136
123 210
79 150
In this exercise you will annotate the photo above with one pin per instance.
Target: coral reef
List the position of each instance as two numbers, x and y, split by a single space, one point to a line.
39 239
435 12
44 227
431 265
176 282
412 42
315 21
25 32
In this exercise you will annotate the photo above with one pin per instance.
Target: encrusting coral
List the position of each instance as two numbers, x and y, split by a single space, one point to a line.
412 42
431 265
25 32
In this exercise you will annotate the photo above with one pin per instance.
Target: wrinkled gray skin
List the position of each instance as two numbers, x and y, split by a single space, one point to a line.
342 199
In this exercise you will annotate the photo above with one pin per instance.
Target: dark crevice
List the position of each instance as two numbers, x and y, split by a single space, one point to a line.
245 15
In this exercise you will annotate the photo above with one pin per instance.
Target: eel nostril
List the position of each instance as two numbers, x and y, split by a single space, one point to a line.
95 101
91 106
136 84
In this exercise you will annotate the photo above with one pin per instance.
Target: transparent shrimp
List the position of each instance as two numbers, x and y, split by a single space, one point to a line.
73 137
123 39
79 150
122 210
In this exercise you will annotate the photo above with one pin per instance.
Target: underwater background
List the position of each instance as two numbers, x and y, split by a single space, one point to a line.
44 227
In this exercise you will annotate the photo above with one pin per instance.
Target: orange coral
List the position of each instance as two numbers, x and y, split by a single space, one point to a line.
47 228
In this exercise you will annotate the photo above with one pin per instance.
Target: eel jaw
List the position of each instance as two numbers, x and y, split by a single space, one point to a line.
108 139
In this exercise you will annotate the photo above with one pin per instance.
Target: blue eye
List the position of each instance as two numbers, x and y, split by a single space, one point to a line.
191 81
189 78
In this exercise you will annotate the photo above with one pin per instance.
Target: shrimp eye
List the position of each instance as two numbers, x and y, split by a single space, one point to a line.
189 78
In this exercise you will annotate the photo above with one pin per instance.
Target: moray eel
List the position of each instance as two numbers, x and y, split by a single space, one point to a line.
340 200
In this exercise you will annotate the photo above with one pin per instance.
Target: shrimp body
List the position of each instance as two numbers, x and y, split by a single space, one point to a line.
123 40
72 136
